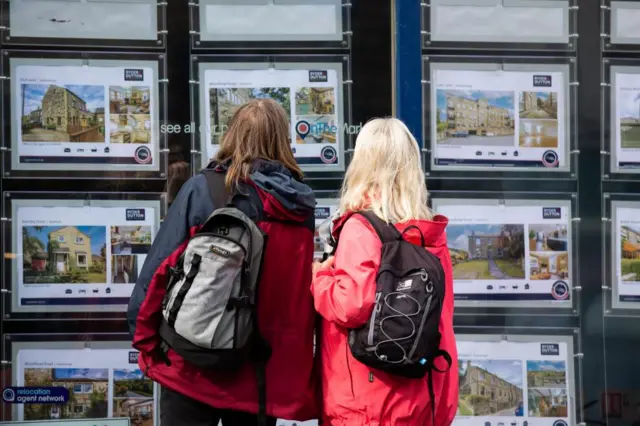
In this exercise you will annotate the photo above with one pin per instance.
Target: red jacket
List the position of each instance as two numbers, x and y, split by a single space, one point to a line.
283 208
344 296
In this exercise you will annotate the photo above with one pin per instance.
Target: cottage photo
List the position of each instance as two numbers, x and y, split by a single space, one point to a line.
486 252
629 115
316 101
548 402
322 129
224 103
490 388
133 396
64 254
88 392
130 239
630 252
474 117
62 113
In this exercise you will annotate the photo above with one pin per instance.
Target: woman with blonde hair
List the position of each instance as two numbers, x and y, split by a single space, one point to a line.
385 179
257 167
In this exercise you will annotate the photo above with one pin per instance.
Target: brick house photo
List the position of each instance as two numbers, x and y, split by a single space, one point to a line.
630 252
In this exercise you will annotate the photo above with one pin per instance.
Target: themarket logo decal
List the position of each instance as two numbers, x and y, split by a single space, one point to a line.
541 81
549 349
551 212
35 395
318 76
133 75
135 214
322 212
133 357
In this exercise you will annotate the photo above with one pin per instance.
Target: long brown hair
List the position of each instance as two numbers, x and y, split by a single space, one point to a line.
258 130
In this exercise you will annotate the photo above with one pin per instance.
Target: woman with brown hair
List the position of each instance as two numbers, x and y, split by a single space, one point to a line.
259 170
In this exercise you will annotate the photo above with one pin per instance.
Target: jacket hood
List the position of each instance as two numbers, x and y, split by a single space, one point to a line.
433 231
283 196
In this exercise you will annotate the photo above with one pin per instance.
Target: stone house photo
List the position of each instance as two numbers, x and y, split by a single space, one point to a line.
68 113
490 387
64 254
88 393
487 251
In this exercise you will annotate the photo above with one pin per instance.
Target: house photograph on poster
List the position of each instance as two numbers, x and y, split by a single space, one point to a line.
486 252
225 102
316 101
548 251
133 396
88 391
538 117
475 118
128 240
62 113
64 254
490 388
629 118
630 252
129 114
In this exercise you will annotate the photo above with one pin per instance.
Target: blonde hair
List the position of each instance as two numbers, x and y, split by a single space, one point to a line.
385 174
258 130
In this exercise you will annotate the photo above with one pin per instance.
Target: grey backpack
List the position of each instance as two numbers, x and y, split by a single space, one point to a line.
209 314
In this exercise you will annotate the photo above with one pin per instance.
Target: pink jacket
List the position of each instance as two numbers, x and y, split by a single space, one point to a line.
354 394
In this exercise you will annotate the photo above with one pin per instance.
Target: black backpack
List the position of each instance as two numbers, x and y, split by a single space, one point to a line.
401 336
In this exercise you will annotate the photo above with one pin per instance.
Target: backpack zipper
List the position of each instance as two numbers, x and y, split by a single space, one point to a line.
429 288
376 310
346 353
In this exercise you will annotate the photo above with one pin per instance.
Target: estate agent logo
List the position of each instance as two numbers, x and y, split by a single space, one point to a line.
135 214
549 349
133 75
551 212
560 290
541 81
318 76
322 212
133 357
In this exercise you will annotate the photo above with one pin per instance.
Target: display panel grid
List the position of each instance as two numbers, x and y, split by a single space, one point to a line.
117 230
322 171
542 245
336 12
522 145
552 25
141 120
65 15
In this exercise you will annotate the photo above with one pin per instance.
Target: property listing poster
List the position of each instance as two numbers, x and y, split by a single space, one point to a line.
97 117
512 254
626 254
310 97
489 119
102 383
625 121
325 209
74 258
517 382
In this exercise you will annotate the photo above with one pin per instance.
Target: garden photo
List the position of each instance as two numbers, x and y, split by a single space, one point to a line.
474 117
88 392
630 252
490 388
64 254
65 113
133 396
486 252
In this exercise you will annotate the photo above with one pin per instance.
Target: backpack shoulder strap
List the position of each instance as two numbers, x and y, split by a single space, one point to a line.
386 232
217 188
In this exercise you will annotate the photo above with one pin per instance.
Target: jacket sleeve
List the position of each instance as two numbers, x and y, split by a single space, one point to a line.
345 294
188 211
